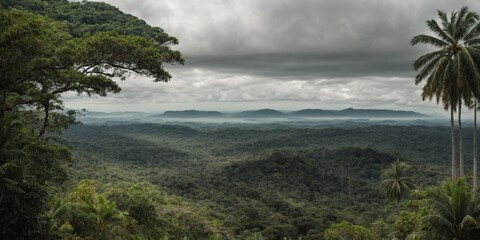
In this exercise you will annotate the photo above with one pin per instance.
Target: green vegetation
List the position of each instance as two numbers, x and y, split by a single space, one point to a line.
345 230
85 17
277 181
395 183
454 211
130 210
40 59
148 181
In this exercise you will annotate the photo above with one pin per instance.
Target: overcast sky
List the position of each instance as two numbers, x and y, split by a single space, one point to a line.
250 54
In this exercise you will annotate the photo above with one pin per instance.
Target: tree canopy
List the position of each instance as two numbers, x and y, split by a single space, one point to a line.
48 48
40 60
91 17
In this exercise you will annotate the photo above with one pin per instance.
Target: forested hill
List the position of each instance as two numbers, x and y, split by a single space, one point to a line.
90 17
349 112
267 113
281 182
190 114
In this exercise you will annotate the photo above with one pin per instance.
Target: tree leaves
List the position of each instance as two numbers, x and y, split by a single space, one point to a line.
40 59
394 182
454 210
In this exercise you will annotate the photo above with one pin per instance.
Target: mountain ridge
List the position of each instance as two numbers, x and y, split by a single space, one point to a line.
272 113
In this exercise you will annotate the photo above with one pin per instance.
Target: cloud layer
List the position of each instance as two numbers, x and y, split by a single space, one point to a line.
285 54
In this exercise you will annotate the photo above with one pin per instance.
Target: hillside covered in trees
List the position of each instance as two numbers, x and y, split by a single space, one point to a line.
281 182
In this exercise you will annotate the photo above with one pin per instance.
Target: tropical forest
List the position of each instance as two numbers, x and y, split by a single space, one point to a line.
248 120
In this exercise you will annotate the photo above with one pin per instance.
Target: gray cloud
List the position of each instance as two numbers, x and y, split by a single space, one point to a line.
321 52
224 91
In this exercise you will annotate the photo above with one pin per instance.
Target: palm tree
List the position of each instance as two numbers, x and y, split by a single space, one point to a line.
451 72
455 212
394 182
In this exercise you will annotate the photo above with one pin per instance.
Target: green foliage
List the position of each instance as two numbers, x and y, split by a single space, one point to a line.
382 229
347 231
8 187
394 182
255 236
409 222
141 202
91 211
91 17
454 211
87 214
26 165
273 190
20 212
249 188
40 59
279 193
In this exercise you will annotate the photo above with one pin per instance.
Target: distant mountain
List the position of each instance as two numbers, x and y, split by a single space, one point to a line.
262 113
109 114
190 114
314 113
270 113
379 113
351 112
96 114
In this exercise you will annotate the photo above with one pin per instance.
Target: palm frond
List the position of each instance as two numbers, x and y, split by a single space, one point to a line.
5 167
454 210
465 21
474 42
471 57
428 69
434 27
468 222
449 26
440 223
443 16
435 80
472 34
428 58
426 39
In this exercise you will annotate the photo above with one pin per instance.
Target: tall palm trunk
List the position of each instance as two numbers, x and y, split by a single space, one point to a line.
452 133
475 147
460 139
